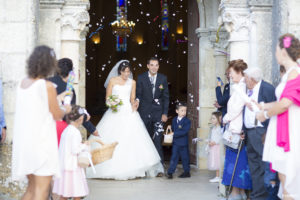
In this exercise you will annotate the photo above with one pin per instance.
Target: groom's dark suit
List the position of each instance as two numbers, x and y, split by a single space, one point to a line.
153 106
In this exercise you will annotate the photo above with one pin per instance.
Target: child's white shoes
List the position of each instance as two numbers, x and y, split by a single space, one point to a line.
215 180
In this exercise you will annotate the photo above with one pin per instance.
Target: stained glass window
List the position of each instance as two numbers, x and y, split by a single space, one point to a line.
121 9
165 26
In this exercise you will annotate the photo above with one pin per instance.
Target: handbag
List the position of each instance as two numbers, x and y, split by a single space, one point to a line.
230 139
84 159
168 138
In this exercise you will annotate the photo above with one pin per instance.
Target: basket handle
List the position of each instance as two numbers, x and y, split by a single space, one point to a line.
168 128
97 140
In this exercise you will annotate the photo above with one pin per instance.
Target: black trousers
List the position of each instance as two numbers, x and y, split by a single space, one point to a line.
256 164
155 130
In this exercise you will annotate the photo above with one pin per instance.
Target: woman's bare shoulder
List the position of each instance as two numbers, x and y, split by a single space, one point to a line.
293 74
113 80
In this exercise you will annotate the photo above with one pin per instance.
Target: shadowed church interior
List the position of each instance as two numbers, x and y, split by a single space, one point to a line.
147 40
160 31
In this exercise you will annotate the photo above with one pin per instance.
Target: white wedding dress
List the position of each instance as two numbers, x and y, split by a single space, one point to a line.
135 155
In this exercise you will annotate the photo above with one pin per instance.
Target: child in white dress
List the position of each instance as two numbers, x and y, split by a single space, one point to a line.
72 183
214 145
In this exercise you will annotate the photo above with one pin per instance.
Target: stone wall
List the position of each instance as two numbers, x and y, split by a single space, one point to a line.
18 36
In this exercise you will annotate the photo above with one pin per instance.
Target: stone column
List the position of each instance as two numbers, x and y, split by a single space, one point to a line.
82 68
220 55
236 18
261 36
74 20
18 37
293 7
206 89
49 26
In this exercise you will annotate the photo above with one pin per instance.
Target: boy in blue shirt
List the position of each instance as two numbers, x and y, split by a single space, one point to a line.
180 128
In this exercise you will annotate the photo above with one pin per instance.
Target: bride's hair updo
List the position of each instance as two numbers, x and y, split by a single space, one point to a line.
123 66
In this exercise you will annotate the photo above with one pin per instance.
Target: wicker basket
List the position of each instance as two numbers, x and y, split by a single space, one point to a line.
168 139
105 152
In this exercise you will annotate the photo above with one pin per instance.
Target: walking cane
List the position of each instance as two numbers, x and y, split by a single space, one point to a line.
236 161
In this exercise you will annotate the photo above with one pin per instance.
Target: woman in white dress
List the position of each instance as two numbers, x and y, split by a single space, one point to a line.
135 155
34 151
284 156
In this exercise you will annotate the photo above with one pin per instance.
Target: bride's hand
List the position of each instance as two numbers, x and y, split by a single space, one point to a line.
134 107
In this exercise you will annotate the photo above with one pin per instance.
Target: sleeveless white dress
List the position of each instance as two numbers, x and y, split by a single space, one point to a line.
287 163
135 155
35 148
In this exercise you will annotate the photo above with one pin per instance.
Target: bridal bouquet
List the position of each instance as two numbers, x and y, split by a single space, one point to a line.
113 102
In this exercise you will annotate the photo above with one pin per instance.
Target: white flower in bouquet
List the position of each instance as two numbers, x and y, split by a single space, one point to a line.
113 102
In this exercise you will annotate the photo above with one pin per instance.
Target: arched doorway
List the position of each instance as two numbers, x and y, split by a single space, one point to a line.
145 42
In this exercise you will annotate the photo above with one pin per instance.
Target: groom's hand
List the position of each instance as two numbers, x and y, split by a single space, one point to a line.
164 118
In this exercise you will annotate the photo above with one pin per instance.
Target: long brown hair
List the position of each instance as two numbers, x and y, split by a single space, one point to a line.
42 62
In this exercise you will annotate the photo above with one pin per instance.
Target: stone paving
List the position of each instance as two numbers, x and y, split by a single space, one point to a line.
195 188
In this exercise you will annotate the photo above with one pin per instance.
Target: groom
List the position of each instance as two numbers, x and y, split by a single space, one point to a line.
152 100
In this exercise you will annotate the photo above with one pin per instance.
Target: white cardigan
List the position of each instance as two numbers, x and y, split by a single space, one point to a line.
235 106
70 146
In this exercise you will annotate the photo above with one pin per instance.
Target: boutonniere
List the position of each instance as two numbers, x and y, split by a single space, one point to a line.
161 87
179 126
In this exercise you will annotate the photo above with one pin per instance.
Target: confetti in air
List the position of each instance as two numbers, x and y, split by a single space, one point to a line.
155 18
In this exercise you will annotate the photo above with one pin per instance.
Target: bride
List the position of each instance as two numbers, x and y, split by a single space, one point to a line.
135 155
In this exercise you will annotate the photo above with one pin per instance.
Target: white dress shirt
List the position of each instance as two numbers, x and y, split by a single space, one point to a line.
249 117
154 81
179 119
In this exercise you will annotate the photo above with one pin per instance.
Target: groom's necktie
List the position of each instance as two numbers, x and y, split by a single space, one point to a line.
152 84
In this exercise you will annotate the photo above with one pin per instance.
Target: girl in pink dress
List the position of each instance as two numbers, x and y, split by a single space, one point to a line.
72 183
214 146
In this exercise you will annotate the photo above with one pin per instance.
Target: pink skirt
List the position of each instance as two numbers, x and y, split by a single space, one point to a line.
71 184
214 157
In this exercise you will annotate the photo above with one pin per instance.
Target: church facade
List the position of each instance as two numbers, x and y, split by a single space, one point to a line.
225 30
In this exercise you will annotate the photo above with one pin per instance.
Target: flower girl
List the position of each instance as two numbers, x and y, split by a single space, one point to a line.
72 183
214 145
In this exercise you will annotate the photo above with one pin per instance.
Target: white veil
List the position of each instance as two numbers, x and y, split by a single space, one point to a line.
114 72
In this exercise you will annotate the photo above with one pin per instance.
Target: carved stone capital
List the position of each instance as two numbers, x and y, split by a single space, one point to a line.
222 43
76 20
236 22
